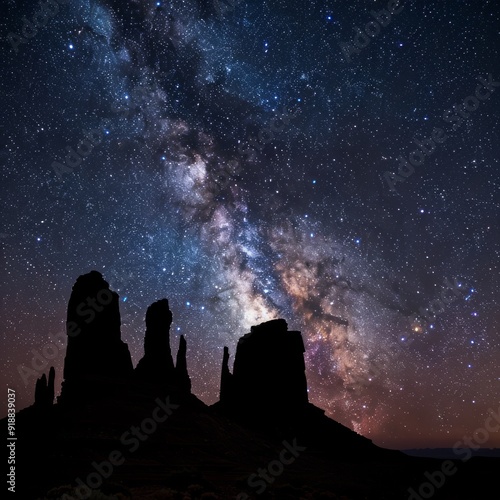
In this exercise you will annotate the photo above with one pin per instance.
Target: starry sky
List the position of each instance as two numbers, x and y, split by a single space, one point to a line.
250 162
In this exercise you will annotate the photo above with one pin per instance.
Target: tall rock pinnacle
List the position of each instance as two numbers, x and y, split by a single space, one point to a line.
50 386
95 351
41 391
182 380
226 379
157 365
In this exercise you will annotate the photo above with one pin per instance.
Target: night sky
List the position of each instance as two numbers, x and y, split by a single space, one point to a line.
244 164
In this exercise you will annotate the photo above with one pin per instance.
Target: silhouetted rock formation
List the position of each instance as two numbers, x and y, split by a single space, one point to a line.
269 372
157 366
268 391
44 391
41 391
263 405
95 353
226 380
182 380
50 386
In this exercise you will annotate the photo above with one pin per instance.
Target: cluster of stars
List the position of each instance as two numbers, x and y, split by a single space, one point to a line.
304 229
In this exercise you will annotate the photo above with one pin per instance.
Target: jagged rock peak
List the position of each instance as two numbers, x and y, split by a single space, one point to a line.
44 391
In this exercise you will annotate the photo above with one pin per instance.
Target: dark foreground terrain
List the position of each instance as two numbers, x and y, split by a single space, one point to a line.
197 453
119 432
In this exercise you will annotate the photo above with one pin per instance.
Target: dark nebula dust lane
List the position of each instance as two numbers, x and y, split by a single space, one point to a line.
251 163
